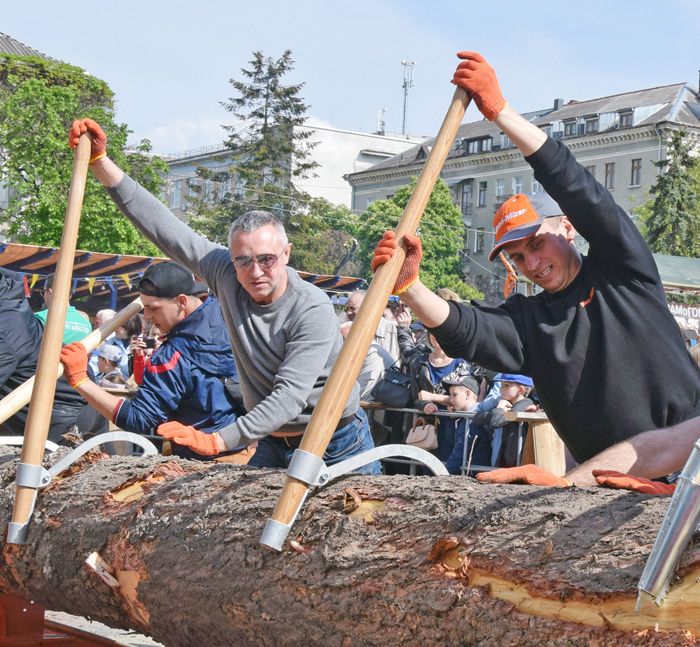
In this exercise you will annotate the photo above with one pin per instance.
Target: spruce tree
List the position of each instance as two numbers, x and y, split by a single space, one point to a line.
269 149
671 221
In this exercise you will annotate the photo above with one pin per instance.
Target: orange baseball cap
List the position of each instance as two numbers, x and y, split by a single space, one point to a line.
521 217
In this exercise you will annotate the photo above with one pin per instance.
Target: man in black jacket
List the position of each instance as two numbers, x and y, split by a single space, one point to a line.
579 338
20 340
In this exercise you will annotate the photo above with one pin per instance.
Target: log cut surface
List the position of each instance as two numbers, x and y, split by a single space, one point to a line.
395 560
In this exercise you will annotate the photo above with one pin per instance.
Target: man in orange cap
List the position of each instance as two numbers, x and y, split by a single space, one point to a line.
579 338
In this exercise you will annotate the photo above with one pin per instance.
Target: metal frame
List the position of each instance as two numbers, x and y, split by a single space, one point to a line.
37 476
312 470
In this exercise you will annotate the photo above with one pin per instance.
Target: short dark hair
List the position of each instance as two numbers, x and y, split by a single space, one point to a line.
133 326
48 284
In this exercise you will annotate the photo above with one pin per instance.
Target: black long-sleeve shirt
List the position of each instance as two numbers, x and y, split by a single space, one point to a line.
606 356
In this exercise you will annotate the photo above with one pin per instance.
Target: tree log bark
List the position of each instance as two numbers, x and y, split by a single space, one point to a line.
393 560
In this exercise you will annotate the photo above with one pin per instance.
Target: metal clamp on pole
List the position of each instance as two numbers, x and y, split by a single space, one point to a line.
37 476
312 470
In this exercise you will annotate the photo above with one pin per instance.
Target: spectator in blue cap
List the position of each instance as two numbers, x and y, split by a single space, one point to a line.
508 437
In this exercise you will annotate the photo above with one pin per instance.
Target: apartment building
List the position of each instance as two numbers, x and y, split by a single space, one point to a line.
618 138
337 152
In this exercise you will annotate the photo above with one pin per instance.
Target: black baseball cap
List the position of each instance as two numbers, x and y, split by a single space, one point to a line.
463 380
167 279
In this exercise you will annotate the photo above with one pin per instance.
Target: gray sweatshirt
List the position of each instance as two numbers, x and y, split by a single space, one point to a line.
284 351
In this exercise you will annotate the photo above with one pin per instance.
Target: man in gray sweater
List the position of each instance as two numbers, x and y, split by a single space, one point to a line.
284 332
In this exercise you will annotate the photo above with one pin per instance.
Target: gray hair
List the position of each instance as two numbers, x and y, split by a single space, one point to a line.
360 293
106 314
251 221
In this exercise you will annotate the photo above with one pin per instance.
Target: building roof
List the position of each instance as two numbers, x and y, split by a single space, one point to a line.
678 103
9 45
678 273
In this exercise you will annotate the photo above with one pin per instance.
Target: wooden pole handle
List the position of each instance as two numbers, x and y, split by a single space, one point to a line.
39 416
335 394
21 396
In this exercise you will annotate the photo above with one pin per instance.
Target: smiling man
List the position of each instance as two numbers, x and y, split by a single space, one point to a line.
606 356
284 332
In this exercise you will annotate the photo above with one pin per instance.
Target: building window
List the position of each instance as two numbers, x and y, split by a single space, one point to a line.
480 235
636 177
500 188
476 146
192 188
207 191
467 200
176 195
505 141
591 170
592 125
569 129
626 120
482 194
224 187
610 176
536 188
518 184
547 130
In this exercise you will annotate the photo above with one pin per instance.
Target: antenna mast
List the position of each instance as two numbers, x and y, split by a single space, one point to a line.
407 83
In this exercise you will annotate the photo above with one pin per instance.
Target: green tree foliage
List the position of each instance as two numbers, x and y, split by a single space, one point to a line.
441 231
269 154
212 207
38 102
670 220
322 239
270 150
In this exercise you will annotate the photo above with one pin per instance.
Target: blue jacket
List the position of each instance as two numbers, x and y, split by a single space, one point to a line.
184 380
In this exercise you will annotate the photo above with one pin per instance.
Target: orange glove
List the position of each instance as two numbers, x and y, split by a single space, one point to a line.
620 481
75 360
529 474
409 270
98 146
478 78
196 440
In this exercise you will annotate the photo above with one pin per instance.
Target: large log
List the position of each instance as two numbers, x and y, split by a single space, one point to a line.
422 561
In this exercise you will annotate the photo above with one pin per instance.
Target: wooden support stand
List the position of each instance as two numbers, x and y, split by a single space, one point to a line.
543 447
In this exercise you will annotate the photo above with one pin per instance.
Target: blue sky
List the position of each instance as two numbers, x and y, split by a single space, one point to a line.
169 62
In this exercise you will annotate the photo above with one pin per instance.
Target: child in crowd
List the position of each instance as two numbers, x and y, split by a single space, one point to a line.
464 393
108 361
508 437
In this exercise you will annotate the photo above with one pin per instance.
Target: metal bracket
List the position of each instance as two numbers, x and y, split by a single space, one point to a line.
149 448
678 526
37 476
312 470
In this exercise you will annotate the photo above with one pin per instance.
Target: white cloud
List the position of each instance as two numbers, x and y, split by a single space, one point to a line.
185 134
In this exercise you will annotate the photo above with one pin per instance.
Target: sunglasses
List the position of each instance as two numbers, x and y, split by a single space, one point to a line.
265 261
